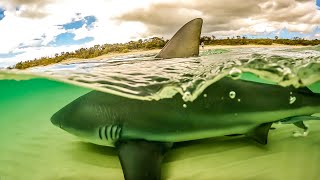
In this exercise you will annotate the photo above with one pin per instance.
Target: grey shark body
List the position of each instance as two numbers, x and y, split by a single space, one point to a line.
105 118
142 131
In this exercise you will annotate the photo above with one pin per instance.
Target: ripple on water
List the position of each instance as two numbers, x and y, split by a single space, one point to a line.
143 77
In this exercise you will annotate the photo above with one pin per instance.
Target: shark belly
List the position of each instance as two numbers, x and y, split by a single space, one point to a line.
208 126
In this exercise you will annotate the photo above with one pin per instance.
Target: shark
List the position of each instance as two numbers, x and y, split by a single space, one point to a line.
143 131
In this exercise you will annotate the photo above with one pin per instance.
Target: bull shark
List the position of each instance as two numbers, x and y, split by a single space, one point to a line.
143 131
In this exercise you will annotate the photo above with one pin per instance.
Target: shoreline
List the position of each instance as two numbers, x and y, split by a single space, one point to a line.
207 47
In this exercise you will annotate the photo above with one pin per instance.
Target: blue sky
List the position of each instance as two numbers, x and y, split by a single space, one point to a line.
68 38
286 34
33 28
1 13
76 24
10 54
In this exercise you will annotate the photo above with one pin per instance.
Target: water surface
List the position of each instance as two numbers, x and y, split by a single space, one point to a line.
32 148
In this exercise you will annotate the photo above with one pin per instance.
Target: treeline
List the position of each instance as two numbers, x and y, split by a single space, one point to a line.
153 43
95 51
244 41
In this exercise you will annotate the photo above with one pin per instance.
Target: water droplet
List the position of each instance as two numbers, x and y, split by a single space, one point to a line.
292 99
290 92
239 100
232 94
205 95
185 106
235 73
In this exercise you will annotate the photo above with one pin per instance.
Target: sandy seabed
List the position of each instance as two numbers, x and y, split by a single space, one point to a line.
32 148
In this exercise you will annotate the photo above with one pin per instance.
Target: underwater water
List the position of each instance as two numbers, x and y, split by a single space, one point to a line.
32 148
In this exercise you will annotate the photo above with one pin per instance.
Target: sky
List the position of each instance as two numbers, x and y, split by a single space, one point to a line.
35 28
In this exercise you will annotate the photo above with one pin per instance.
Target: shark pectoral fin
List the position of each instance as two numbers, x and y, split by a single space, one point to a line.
141 159
185 43
260 133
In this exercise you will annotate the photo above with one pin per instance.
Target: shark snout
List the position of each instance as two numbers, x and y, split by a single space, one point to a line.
56 119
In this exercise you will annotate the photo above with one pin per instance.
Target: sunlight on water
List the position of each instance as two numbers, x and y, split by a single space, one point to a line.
143 77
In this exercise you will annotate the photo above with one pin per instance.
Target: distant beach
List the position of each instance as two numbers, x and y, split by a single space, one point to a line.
207 47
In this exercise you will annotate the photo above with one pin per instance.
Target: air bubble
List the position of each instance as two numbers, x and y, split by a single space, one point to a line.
235 73
239 100
232 94
205 95
187 96
292 99
184 105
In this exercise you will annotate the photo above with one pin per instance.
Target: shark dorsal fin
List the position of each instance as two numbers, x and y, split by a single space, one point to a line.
185 43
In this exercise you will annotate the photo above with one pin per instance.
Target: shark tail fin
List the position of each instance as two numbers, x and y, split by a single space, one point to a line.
185 43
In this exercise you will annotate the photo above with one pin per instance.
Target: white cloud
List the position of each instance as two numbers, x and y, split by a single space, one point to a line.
124 20
232 16
37 52
16 30
317 35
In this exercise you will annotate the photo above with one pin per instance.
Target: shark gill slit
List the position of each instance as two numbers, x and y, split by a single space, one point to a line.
100 133
113 132
106 132
118 131
109 132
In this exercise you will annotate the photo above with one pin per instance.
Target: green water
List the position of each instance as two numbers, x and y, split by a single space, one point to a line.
32 148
